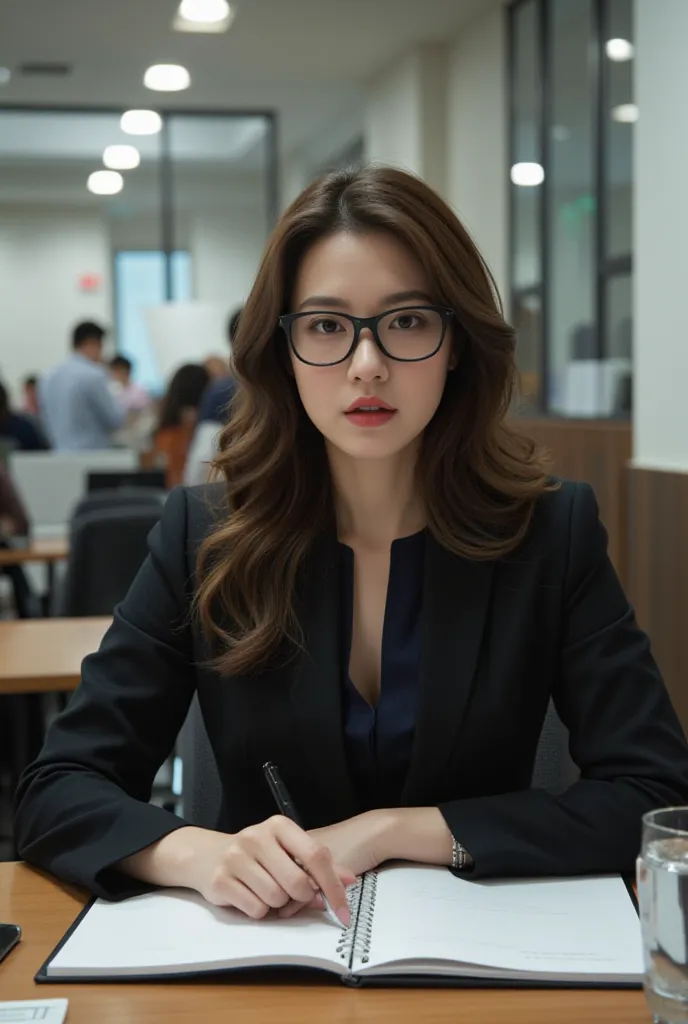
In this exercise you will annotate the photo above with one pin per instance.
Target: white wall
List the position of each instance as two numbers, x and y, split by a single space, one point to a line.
440 112
404 119
43 253
477 137
660 233
225 253
393 127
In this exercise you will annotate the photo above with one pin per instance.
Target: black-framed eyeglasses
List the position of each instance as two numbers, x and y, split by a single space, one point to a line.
408 334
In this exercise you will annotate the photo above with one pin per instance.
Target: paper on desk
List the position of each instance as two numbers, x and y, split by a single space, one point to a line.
45 1011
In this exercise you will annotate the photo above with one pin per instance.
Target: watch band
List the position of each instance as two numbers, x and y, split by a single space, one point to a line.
459 855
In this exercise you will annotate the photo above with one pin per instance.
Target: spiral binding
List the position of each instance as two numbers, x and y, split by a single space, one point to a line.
355 941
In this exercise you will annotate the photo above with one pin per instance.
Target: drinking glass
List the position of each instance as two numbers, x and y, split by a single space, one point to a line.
662 874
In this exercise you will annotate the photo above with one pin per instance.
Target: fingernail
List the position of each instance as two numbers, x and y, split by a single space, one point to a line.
344 915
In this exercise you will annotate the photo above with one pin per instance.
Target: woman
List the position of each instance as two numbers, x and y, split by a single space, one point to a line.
178 415
381 597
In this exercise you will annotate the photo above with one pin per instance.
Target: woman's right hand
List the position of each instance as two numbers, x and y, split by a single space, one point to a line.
265 866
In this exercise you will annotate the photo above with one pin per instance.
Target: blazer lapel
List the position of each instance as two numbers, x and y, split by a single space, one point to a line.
456 598
315 693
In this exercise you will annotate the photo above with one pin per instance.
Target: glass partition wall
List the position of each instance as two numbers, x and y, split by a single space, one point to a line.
157 241
571 117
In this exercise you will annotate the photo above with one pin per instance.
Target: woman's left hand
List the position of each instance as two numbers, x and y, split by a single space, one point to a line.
357 844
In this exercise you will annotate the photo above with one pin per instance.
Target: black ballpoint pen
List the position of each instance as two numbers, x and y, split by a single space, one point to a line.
287 808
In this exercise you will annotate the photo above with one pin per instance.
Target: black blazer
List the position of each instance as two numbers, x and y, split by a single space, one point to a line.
498 639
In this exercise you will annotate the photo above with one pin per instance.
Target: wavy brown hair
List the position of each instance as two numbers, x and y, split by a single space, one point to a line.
480 479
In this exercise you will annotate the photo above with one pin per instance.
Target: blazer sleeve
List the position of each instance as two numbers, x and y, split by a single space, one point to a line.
83 804
624 736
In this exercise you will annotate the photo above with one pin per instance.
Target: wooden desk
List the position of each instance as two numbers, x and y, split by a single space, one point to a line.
47 550
39 655
44 910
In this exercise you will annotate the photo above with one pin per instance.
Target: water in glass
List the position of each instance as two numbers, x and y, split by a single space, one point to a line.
662 873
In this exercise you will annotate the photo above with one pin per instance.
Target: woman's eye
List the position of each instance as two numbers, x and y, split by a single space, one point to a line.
406 321
325 326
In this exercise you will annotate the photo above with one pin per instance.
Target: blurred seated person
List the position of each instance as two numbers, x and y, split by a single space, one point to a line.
30 407
17 429
130 395
178 417
14 524
212 416
78 409
30 392
216 367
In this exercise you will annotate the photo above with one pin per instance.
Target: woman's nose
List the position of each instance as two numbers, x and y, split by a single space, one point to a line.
368 362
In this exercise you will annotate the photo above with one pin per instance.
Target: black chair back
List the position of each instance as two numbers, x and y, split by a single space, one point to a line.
107 548
96 501
202 790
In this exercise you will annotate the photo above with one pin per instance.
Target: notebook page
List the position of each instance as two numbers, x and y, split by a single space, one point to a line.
175 930
554 927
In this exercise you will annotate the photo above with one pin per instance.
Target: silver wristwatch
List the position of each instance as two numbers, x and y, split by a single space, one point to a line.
460 856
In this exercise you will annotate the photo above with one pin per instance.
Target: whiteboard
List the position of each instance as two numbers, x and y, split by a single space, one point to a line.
186 332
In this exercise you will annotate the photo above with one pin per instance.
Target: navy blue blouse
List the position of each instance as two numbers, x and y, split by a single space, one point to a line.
379 739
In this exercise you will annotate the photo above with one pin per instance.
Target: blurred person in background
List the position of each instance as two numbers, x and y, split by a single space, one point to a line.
30 393
130 395
14 523
78 409
18 430
178 417
212 416
216 367
30 407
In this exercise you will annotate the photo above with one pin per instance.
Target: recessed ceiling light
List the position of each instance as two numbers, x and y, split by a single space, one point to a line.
5 75
204 16
527 174
167 78
141 122
625 113
121 158
619 49
105 183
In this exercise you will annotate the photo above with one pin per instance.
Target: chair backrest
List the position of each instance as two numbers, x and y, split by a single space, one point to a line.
201 786
120 497
143 479
554 768
51 483
107 549
202 790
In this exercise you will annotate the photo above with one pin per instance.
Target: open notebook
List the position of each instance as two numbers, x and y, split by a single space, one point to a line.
409 922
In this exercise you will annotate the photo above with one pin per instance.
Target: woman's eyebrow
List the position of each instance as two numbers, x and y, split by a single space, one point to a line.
327 301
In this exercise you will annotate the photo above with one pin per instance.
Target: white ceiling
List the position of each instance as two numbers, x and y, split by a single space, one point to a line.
307 59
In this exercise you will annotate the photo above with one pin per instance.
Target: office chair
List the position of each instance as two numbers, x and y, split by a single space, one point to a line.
202 791
107 549
554 768
95 501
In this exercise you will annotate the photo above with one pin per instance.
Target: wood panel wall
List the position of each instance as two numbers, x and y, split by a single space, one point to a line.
658 571
596 451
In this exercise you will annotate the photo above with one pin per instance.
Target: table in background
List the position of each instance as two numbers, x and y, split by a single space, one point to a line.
44 909
47 550
41 656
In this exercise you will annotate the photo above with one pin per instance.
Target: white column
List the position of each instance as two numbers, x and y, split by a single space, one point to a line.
477 137
660 243
404 123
